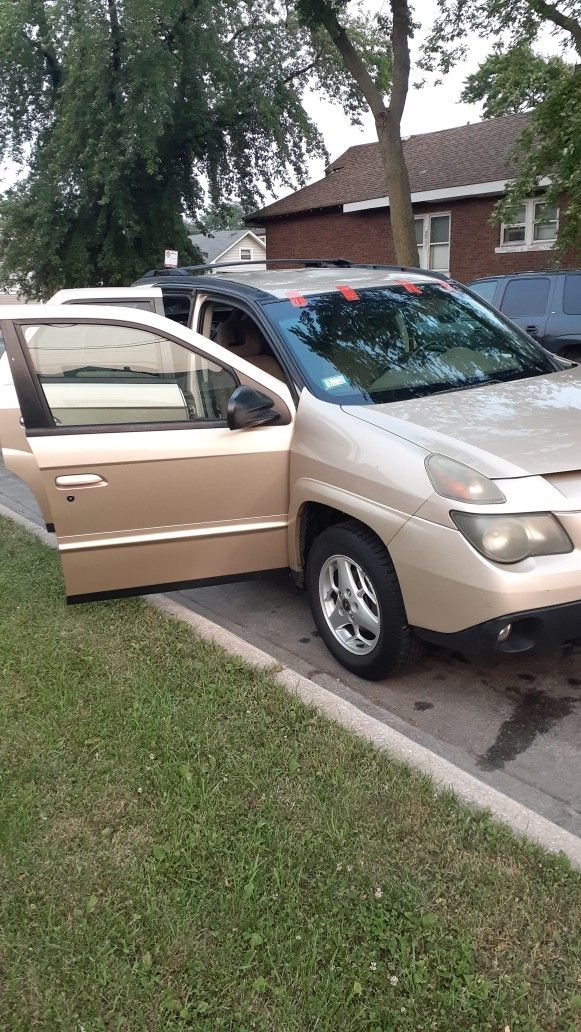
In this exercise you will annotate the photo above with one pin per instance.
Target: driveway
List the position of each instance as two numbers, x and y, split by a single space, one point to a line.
515 724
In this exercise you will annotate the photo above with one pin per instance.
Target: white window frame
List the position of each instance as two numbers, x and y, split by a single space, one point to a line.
425 246
248 251
529 243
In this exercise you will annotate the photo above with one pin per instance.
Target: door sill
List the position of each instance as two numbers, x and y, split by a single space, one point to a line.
158 589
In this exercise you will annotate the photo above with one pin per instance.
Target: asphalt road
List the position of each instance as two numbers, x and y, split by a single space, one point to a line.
515 724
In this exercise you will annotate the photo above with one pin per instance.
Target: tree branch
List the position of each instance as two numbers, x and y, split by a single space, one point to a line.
327 17
301 71
242 31
552 13
400 31
51 62
115 50
53 68
188 10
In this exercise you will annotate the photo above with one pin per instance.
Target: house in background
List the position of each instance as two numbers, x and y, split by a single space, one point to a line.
231 245
456 176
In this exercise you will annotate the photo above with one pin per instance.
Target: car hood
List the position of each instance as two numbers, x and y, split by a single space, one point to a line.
523 428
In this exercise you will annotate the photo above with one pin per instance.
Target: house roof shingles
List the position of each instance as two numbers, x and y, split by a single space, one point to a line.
481 152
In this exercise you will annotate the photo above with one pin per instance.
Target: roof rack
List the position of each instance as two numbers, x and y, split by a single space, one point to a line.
528 272
308 263
187 270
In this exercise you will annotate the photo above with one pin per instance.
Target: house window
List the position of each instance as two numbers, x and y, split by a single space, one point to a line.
546 221
245 254
433 240
534 227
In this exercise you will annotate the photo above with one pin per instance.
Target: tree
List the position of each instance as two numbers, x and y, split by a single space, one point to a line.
518 21
515 79
391 66
225 215
125 110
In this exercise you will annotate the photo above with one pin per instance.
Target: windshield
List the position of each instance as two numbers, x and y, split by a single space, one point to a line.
401 341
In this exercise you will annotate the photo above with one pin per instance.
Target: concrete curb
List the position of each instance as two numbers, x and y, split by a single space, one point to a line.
523 821
445 775
32 528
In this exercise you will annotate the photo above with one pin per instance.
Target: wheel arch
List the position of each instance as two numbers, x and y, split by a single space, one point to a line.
570 349
355 595
318 509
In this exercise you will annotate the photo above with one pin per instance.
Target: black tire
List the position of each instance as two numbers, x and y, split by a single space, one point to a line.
573 353
396 644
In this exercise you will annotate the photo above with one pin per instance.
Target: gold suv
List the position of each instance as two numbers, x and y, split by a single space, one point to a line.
408 453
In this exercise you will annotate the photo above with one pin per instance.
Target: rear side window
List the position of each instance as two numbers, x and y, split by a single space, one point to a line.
177 307
526 296
572 294
484 288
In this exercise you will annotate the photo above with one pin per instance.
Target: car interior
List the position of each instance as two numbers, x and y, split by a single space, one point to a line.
236 331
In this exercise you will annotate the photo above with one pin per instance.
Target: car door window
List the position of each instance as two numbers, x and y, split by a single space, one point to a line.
572 294
484 288
94 374
526 297
235 330
177 307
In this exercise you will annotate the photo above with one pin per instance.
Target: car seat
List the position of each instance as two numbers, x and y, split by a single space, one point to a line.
239 334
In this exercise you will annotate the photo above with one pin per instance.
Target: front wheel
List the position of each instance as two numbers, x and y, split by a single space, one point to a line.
356 602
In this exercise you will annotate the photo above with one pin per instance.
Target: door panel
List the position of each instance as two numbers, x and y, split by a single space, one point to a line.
152 506
526 301
177 505
563 335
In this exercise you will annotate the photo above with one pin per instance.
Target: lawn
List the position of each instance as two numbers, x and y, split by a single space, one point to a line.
184 846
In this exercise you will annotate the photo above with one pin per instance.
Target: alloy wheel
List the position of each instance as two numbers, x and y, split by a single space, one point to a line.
349 604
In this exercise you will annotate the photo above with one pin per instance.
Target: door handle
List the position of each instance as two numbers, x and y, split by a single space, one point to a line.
79 480
532 329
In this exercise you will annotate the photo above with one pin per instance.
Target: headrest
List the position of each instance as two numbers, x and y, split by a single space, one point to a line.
239 334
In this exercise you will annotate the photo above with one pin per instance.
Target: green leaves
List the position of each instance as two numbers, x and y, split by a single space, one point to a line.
515 78
128 113
550 146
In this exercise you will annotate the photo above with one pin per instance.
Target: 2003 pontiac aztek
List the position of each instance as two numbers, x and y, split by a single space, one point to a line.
413 457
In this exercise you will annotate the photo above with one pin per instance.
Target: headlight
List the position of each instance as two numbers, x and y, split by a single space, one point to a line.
509 539
454 480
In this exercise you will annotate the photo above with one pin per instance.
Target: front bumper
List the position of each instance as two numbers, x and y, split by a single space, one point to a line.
449 589
536 630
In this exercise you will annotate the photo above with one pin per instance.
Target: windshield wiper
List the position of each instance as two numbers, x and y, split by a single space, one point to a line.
429 391
477 383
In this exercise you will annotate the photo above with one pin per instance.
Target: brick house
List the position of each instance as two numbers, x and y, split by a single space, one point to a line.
456 177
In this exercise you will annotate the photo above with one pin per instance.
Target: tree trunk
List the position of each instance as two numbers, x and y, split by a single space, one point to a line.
401 214
387 117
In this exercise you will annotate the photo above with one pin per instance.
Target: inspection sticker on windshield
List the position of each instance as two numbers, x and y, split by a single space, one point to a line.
334 381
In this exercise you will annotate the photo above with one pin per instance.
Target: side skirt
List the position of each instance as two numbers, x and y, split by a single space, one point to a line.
158 589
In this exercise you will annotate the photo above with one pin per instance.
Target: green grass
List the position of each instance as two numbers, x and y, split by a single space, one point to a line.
184 846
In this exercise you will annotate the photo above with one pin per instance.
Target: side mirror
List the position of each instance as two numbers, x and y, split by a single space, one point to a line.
247 407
